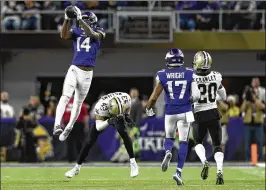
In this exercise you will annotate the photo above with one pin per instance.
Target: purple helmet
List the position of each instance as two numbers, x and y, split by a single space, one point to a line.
90 18
174 58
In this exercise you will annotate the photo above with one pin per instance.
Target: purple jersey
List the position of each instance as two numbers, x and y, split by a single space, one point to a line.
177 87
85 48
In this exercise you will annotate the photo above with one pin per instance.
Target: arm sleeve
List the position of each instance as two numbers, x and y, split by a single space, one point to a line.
222 93
101 125
195 93
157 78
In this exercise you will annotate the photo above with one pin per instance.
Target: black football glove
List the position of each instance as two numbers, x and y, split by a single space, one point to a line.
128 121
114 120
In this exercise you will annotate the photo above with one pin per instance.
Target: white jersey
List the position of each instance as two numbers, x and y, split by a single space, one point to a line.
208 86
101 107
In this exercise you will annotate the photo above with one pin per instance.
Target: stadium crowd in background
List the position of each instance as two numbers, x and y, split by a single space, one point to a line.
30 19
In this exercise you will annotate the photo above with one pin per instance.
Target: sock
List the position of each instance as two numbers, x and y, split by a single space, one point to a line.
179 171
182 154
126 139
219 158
78 166
91 139
60 109
132 160
200 150
168 144
74 113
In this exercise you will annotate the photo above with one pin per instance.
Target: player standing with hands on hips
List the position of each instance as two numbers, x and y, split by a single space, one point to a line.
86 37
111 109
180 92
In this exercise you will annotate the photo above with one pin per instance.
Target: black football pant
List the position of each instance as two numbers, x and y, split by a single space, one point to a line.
94 134
213 126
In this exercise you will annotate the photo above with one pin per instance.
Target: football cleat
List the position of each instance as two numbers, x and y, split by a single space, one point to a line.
71 173
178 179
219 178
205 170
166 161
65 134
134 169
57 130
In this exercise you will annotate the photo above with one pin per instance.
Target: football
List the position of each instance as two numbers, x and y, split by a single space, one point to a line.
70 12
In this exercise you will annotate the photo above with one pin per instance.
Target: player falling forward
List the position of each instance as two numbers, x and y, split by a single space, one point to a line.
180 91
206 113
111 109
86 37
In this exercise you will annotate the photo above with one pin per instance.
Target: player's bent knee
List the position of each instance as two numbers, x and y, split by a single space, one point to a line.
217 149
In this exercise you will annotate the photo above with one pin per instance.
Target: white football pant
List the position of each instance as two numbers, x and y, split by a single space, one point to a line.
179 121
77 81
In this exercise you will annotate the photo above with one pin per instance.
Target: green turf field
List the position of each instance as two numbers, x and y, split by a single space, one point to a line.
118 179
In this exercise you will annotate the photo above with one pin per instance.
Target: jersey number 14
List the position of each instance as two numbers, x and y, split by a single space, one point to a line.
85 44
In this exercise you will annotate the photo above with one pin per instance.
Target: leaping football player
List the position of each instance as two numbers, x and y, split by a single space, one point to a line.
206 114
87 38
180 91
111 109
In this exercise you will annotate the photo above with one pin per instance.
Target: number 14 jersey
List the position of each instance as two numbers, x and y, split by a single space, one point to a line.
208 86
85 48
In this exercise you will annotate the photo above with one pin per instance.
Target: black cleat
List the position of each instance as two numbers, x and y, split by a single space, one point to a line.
205 170
57 130
219 178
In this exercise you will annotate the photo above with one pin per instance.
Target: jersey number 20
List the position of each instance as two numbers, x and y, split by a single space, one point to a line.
207 93
83 45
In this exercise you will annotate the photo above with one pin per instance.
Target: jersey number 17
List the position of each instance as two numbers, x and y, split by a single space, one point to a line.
85 44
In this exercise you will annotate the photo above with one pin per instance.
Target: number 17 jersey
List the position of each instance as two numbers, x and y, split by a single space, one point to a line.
177 87
85 48
208 86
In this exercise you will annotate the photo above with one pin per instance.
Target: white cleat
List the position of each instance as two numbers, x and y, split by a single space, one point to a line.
71 173
134 169
178 179
166 161
63 136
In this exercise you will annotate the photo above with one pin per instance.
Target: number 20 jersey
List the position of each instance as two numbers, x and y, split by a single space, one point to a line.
208 86
85 48
177 87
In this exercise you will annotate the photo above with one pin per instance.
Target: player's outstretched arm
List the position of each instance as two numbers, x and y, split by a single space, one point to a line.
88 30
65 31
154 96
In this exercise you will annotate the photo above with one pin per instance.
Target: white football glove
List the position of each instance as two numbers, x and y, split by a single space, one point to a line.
66 17
78 13
150 112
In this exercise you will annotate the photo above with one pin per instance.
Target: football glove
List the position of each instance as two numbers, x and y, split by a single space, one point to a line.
78 13
66 17
128 121
150 112
114 120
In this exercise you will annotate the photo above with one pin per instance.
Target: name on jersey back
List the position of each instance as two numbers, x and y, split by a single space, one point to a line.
175 75
206 79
